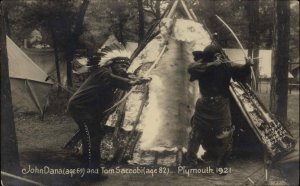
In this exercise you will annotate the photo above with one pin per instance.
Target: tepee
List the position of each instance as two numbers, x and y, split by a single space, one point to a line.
161 111
164 119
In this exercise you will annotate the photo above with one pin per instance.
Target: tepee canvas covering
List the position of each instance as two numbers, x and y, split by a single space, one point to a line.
162 110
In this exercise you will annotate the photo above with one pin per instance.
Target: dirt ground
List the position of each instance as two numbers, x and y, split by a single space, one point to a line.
40 143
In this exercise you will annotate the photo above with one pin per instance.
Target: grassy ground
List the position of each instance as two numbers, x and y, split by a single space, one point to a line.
293 104
40 144
292 111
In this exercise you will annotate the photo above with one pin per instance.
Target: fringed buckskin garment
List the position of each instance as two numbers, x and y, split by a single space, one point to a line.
87 107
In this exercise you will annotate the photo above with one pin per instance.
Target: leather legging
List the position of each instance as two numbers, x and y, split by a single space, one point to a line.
92 133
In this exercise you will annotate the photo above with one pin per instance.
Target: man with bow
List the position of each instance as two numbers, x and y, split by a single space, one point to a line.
211 122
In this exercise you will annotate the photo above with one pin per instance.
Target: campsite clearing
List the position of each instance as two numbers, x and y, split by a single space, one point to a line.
41 141
40 144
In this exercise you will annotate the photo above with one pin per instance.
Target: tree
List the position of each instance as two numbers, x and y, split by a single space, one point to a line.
157 9
119 17
252 8
9 147
56 56
232 11
153 8
17 27
73 40
141 20
280 58
62 21
119 12
265 28
294 36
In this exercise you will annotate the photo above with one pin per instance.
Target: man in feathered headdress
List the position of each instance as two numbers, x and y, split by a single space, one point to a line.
89 103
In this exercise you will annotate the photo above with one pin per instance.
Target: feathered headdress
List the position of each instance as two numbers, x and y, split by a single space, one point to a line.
115 52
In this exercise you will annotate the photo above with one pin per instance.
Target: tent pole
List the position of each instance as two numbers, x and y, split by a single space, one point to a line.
170 14
10 161
193 14
34 96
186 10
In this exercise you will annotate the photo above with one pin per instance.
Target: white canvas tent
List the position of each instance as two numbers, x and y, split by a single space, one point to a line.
29 84
265 59
44 58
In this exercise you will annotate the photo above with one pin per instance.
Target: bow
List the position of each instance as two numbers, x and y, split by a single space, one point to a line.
241 46
134 88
